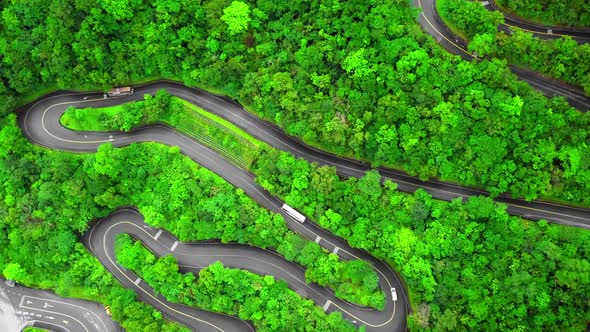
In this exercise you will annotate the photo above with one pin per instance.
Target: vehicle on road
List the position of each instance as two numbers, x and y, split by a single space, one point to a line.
393 294
122 91
9 282
293 213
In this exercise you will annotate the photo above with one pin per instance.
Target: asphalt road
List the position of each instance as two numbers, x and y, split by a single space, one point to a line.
195 256
40 308
541 31
434 26
40 123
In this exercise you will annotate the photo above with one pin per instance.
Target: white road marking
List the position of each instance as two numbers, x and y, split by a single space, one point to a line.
174 246
550 31
47 305
136 282
143 290
336 250
327 305
485 3
318 239
53 312
158 235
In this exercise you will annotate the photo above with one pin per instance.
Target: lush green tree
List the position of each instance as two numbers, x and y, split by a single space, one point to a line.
237 17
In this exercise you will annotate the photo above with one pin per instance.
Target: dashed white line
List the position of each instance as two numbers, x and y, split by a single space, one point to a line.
335 251
174 246
158 235
136 282
318 239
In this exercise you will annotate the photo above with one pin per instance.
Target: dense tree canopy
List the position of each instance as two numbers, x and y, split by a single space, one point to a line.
50 196
470 266
357 79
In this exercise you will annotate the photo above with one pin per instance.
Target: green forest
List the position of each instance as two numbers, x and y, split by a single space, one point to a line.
454 256
572 13
354 78
357 80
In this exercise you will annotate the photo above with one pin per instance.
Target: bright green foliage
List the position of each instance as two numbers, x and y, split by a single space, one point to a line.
210 130
71 190
33 329
416 108
237 17
574 13
470 17
469 266
357 79
268 303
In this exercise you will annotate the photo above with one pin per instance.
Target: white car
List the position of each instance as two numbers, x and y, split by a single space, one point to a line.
393 294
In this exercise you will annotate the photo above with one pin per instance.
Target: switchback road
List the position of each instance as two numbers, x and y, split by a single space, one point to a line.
434 26
40 123
195 256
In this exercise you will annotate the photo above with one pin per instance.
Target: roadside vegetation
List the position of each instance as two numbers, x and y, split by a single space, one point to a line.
462 272
561 58
220 211
217 133
268 303
569 13
469 266
63 192
355 79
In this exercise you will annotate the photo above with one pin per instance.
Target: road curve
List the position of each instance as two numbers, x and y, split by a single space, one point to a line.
41 308
541 31
434 26
40 124
195 256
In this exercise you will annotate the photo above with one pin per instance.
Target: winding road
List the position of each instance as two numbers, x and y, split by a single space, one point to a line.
40 123
434 26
